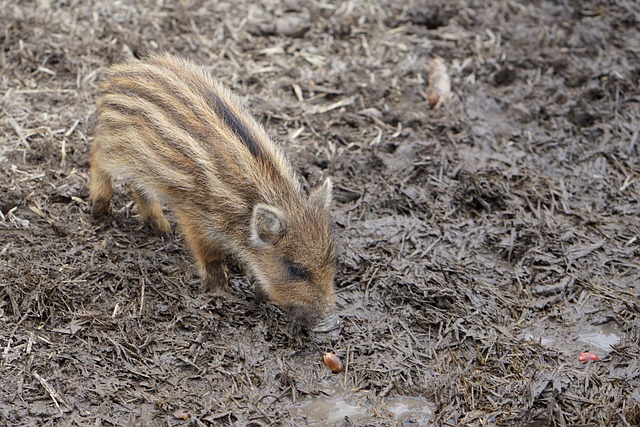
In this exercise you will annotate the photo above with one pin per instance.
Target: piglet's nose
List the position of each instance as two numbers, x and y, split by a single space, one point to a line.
328 324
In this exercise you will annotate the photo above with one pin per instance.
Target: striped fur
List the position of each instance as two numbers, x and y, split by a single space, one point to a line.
182 139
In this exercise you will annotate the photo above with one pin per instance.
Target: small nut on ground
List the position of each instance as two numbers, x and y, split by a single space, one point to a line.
333 362
439 89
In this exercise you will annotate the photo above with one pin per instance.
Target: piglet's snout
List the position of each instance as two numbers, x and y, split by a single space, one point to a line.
328 324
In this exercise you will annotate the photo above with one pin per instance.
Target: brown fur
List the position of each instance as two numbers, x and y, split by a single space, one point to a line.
181 138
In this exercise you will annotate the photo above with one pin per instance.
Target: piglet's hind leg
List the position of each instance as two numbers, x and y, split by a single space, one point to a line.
100 187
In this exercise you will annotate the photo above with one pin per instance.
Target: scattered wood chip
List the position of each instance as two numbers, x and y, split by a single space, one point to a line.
292 26
181 414
338 104
288 26
371 112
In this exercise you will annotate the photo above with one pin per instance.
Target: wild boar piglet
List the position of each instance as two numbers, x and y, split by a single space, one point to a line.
182 139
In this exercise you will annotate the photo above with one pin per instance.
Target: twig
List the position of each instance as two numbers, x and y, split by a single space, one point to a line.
141 296
63 153
72 128
143 274
386 390
30 343
366 290
5 353
346 365
52 392
37 91
339 104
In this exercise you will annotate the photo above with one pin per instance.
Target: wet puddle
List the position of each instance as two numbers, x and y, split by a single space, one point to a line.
599 338
602 337
330 409
326 409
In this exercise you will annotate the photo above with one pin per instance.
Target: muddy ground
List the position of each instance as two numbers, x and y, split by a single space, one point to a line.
484 244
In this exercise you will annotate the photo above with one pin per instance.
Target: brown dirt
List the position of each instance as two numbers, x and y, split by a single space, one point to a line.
485 244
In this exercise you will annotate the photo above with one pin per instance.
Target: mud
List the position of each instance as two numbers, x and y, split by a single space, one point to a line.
485 244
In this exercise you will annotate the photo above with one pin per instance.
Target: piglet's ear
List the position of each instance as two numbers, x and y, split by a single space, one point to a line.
267 225
321 197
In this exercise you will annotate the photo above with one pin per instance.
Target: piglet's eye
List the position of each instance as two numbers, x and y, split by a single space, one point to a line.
297 272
